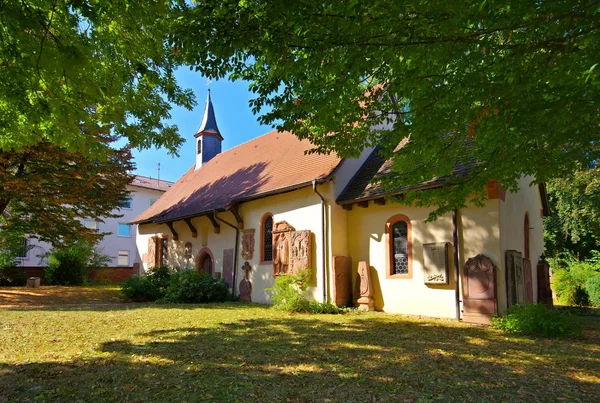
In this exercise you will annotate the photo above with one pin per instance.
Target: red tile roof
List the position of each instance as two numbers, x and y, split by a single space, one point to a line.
271 163
151 183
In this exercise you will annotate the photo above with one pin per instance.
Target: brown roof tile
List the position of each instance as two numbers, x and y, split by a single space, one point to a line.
151 183
274 161
366 183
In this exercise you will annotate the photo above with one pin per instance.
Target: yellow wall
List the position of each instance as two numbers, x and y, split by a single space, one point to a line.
512 216
366 241
300 208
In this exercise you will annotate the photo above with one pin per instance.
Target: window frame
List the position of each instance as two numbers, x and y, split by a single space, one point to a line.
389 247
129 202
119 255
262 238
129 232
24 248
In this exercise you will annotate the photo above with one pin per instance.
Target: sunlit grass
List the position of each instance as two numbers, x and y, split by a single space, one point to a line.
235 352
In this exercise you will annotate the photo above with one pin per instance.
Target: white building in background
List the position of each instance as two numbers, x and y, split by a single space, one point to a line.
120 244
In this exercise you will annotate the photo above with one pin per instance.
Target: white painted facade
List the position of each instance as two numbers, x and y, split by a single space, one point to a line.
120 246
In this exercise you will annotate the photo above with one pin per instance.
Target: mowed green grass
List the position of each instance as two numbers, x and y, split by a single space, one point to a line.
235 352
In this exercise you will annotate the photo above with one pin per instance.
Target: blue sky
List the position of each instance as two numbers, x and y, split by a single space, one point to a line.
234 118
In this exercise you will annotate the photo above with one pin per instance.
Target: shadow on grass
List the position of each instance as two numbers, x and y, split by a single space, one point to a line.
126 306
306 358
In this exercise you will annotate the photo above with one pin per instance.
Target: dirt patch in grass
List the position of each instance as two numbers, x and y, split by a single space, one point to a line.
234 352
48 296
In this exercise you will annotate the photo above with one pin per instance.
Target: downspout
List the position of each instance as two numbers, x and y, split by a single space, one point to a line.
235 253
456 261
323 232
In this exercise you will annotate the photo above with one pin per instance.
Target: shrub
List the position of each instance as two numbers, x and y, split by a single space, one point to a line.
11 276
592 286
188 286
148 288
570 276
70 265
538 320
289 294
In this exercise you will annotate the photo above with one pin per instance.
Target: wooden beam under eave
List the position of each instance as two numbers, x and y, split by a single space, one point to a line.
380 201
363 204
235 210
215 224
347 207
175 234
191 227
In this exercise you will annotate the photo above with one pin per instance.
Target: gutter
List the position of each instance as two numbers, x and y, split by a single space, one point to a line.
456 261
235 253
323 232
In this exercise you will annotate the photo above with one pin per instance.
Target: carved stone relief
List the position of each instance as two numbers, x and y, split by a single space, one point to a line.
479 289
151 252
515 289
436 263
281 247
543 282
187 250
342 284
300 252
247 244
245 284
365 287
228 266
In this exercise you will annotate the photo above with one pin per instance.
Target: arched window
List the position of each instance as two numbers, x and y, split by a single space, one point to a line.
526 237
398 233
199 149
266 239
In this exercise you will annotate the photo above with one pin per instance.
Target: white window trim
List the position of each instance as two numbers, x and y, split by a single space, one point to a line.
119 256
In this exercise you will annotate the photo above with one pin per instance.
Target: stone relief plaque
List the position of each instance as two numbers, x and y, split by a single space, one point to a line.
228 266
300 251
436 263
247 244
281 247
342 284
514 277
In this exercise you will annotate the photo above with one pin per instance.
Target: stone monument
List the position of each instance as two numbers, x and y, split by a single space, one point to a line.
365 301
245 284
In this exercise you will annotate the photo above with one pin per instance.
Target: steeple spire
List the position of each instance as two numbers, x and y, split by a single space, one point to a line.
209 122
208 137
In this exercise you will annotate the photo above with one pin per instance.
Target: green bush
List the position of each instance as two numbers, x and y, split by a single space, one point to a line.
592 286
538 320
188 286
70 264
148 288
12 276
289 294
570 276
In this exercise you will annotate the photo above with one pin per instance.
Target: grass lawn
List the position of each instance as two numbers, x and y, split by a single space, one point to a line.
51 295
234 352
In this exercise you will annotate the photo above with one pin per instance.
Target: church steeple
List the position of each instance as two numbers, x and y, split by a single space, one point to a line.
208 137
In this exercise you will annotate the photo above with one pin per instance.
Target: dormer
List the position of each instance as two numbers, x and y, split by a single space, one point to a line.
208 137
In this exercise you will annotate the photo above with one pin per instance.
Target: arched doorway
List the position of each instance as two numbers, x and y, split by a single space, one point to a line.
205 261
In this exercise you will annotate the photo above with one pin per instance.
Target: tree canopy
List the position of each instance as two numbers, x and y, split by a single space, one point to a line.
575 224
509 86
70 69
45 191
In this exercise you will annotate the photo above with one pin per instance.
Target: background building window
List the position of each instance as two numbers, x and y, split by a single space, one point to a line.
267 239
126 204
22 252
123 258
124 230
91 224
